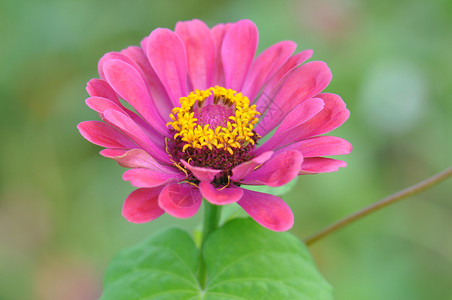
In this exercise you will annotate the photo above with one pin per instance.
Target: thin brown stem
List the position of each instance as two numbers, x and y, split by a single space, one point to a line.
412 190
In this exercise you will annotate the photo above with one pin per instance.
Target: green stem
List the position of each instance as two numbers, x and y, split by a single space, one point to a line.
212 214
412 190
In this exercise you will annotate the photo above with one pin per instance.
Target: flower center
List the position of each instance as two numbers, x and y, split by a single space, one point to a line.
213 128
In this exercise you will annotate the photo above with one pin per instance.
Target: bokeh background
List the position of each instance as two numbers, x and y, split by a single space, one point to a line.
60 202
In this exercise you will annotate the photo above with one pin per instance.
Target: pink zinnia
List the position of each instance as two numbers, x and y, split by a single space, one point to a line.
201 104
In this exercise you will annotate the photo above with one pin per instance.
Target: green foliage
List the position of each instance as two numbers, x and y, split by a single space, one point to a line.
243 259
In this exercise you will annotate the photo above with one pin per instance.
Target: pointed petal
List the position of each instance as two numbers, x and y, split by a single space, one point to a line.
200 47
134 132
265 65
148 178
278 171
130 85
202 174
218 32
228 195
334 114
299 85
320 146
136 158
104 135
268 210
237 52
141 205
242 170
292 124
168 58
314 165
100 88
180 200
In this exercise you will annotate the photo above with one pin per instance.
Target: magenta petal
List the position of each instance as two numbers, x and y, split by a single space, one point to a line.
278 171
147 178
334 114
237 52
200 47
265 65
202 174
218 33
268 210
224 196
314 165
156 88
168 58
130 85
321 146
242 170
104 135
99 88
135 133
299 85
180 200
290 127
142 206
135 158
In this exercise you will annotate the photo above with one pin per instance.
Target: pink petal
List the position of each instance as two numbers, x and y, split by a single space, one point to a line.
299 85
130 85
292 124
135 158
268 210
334 114
104 135
147 178
134 132
156 88
218 33
242 170
180 200
265 65
102 104
202 174
200 47
321 146
278 171
99 88
224 196
314 165
168 58
141 205
237 52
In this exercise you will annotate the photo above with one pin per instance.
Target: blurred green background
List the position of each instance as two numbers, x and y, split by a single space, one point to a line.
60 202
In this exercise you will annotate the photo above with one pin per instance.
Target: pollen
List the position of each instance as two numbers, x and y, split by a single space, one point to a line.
214 118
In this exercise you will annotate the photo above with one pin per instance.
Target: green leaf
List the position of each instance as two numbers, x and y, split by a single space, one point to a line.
243 260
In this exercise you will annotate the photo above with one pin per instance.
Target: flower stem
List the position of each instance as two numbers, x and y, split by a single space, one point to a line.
412 190
212 214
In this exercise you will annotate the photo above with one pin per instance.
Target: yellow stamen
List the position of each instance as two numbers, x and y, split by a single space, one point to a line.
238 129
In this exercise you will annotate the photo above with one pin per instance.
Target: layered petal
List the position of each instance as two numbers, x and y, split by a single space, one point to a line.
200 48
136 158
320 146
221 196
202 174
278 171
166 53
241 171
218 33
141 205
180 200
314 165
104 135
100 88
237 52
268 210
265 65
299 85
147 178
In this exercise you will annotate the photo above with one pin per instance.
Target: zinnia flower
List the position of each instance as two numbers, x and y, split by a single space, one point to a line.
202 104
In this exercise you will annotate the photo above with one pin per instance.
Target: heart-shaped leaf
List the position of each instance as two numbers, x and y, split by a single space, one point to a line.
244 261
